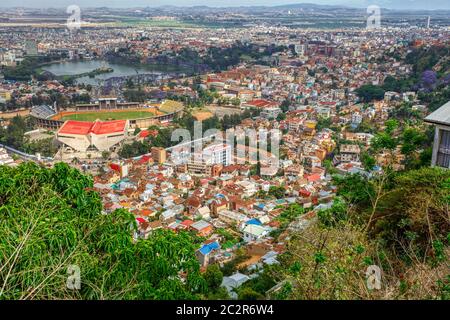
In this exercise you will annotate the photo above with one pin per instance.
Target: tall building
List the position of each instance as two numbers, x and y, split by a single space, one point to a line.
217 154
159 155
441 147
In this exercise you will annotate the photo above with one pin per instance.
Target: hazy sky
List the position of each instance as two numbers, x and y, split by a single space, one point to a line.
394 4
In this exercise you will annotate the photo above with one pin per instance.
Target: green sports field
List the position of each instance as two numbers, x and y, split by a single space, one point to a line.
119 115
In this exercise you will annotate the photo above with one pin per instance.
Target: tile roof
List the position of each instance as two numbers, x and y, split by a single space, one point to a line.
441 115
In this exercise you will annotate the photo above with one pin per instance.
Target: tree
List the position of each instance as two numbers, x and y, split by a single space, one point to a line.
391 125
249 294
236 101
368 161
354 188
414 210
281 117
277 192
51 219
331 262
335 214
106 155
137 131
384 140
412 140
134 149
213 277
285 105
369 92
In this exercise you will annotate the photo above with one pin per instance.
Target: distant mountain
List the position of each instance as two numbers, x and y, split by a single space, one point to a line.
224 4
399 4
307 6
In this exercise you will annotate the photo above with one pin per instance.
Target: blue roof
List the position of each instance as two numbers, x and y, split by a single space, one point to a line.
207 248
254 221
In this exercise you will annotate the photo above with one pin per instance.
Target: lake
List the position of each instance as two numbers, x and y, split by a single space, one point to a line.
78 67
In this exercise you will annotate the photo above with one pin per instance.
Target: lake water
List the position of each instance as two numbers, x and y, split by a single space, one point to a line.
78 67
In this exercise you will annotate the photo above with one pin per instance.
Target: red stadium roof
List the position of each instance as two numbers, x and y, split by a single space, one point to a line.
98 127
76 127
108 127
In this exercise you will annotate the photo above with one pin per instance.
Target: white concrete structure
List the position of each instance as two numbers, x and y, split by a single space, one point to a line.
217 154
441 147
92 136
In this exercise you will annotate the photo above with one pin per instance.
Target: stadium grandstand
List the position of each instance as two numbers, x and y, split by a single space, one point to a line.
170 106
43 111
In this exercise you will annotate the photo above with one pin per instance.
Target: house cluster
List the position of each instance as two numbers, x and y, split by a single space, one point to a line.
228 209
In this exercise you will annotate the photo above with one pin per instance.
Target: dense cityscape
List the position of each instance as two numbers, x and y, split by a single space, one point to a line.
292 152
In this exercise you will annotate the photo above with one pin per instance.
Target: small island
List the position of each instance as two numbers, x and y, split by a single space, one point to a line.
97 72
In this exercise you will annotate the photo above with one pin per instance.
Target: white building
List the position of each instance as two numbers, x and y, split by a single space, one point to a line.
5 158
217 154
441 148
254 232
92 136
270 113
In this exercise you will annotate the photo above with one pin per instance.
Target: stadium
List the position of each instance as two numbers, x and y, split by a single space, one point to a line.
107 109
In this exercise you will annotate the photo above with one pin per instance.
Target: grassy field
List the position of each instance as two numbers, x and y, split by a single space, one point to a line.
118 115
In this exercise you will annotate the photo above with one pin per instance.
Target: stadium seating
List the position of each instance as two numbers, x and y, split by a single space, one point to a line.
43 111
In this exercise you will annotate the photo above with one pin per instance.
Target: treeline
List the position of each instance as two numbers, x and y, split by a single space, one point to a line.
14 136
28 68
55 220
137 148
395 221
430 78
48 97
187 59
228 121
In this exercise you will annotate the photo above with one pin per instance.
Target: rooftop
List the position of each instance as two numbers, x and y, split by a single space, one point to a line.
97 127
440 116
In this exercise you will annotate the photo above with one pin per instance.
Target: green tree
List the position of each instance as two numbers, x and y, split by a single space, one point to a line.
277 192
368 161
369 92
249 294
281 117
384 140
52 219
213 277
334 215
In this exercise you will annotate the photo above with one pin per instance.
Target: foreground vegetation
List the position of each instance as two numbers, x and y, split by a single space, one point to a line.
51 219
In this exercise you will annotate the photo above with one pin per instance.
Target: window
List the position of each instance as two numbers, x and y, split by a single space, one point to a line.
443 154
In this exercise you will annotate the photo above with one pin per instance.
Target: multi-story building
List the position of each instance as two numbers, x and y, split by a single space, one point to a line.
350 153
217 154
159 155
441 147
270 113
